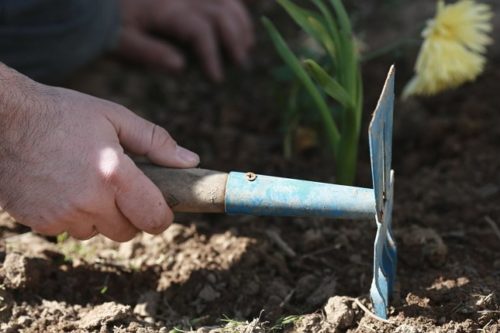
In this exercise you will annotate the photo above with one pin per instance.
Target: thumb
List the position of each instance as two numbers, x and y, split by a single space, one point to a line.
144 138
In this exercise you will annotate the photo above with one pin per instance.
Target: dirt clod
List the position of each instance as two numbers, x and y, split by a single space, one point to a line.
339 312
19 271
307 324
426 242
104 314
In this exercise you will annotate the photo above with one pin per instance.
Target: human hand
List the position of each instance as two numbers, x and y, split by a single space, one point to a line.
202 24
63 168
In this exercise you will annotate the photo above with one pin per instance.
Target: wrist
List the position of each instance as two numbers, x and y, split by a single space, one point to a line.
11 91
21 109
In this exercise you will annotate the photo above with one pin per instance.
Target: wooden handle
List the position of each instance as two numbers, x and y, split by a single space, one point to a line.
189 190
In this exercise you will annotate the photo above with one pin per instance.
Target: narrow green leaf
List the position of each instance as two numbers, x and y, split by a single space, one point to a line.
294 63
300 16
344 22
336 38
330 22
331 86
311 23
325 39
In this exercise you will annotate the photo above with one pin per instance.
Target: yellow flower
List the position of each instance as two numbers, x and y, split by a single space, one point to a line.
453 50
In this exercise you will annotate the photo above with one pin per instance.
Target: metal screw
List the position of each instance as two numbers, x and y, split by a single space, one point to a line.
250 176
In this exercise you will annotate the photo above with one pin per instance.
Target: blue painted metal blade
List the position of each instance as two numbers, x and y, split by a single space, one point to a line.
387 103
377 160
275 196
389 262
385 252
384 259
380 136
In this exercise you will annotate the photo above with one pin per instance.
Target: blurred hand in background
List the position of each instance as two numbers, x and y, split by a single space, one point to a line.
207 26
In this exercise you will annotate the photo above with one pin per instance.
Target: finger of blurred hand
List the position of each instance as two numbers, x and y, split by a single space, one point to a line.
233 37
140 47
199 31
243 17
140 201
142 137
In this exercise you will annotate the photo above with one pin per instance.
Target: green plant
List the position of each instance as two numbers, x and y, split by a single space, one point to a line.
339 77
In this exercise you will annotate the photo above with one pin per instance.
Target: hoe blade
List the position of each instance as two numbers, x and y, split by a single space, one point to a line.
385 253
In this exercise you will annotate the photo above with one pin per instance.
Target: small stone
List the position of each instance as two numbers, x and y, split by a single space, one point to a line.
339 312
147 305
24 321
104 314
208 294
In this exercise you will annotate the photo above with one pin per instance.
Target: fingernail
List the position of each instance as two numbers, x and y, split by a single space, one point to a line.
187 156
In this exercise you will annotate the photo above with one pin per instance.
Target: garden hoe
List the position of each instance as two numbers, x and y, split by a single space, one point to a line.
205 191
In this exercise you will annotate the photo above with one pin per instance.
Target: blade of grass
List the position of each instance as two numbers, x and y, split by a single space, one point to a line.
344 22
311 23
330 22
292 61
331 86
300 16
335 36
326 40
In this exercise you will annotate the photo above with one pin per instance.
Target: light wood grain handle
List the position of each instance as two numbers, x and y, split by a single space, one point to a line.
189 190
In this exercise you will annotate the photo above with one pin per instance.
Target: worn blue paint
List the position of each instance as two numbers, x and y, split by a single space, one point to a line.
385 253
276 196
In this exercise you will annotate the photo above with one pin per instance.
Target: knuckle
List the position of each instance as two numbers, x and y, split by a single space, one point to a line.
108 177
161 138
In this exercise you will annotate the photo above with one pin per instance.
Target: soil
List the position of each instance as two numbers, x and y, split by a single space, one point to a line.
216 273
